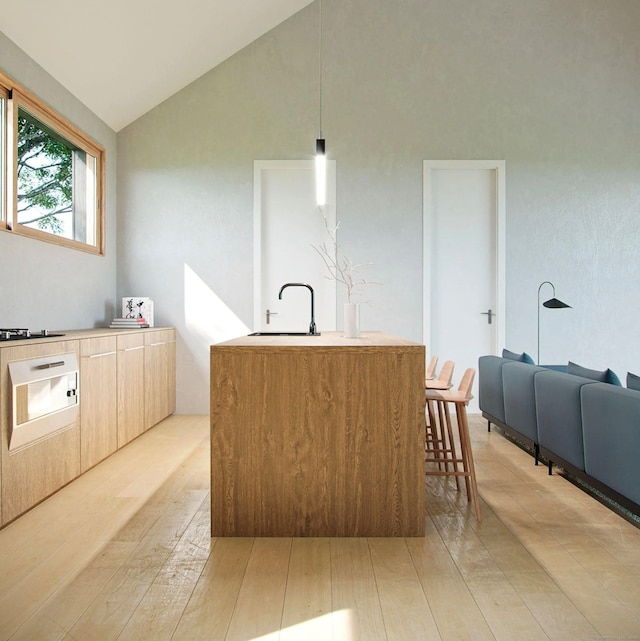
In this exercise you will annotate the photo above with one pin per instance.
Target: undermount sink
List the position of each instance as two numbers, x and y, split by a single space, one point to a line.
283 334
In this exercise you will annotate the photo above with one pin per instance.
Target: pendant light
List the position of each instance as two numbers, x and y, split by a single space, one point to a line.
321 158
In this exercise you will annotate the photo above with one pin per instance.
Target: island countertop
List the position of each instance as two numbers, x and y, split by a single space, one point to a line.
317 436
325 339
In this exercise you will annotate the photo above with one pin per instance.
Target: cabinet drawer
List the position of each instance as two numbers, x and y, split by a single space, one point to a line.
94 347
160 336
127 342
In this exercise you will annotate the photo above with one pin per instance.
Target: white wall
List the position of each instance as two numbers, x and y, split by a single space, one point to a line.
42 285
551 87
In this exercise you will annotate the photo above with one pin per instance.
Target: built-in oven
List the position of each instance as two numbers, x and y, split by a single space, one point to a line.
44 397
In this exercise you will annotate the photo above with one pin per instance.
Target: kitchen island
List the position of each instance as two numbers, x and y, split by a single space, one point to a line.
317 436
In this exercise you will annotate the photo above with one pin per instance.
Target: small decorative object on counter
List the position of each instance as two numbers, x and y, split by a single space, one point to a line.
138 307
128 323
343 270
351 320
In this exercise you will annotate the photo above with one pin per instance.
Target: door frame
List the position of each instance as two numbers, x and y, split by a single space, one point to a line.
259 166
500 172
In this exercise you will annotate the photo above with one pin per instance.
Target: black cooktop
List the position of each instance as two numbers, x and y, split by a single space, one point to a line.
16 334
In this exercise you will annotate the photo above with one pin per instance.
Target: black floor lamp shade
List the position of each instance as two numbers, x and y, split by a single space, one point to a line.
552 303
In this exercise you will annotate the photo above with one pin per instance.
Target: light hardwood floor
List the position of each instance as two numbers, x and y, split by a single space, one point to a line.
124 553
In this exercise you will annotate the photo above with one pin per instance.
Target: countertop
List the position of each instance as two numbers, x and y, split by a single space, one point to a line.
325 340
78 334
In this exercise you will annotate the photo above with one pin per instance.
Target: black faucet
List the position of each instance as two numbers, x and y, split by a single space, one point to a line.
312 325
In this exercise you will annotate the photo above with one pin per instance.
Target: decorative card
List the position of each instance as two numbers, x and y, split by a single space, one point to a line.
138 307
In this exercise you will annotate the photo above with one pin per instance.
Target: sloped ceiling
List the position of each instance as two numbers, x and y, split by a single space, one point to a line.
121 58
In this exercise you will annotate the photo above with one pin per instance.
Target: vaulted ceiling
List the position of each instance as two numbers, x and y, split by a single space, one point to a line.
124 57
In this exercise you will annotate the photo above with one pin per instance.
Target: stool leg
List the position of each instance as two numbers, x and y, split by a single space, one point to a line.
451 447
467 455
431 440
436 435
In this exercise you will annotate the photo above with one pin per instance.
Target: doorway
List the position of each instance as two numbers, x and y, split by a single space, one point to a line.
464 282
287 226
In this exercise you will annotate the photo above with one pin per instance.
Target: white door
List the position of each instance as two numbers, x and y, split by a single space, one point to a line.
287 226
464 262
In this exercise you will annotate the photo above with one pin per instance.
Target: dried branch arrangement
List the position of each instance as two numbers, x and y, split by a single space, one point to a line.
341 268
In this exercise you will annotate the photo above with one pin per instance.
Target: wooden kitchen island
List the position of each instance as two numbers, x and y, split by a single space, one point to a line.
317 436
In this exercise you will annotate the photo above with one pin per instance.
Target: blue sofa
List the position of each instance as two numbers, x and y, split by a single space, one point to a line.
579 419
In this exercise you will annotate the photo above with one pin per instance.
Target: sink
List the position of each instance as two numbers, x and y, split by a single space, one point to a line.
283 334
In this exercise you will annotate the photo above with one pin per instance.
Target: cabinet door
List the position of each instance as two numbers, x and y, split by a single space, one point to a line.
131 382
38 470
98 419
160 381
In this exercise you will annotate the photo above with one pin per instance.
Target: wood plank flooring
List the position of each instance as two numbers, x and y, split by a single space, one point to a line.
124 553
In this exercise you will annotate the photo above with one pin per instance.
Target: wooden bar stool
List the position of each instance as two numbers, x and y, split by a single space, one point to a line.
431 369
443 381
438 434
460 399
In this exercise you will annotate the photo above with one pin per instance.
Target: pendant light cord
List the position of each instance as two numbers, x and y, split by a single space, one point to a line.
320 61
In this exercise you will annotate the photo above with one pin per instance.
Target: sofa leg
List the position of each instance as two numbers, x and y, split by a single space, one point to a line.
536 451
550 468
488 426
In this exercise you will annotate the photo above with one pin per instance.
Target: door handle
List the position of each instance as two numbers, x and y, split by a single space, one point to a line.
489 316
49 365
269 315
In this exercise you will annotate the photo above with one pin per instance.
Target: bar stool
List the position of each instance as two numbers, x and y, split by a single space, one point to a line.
448 457
444 378
438 433
431 369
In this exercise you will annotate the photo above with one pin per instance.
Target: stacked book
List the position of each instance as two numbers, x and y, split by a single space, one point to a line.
128 323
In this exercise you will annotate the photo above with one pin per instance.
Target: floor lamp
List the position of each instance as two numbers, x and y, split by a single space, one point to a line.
552 303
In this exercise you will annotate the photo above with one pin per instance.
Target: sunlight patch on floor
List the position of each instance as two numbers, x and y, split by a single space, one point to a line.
338 625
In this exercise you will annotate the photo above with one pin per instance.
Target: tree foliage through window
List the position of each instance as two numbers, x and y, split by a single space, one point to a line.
45 177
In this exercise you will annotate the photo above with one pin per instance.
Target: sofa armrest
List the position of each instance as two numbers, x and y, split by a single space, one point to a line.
559 415
611 426
490 394
520 398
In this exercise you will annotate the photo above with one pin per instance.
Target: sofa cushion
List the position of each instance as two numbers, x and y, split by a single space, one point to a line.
606 376
633 381
512 356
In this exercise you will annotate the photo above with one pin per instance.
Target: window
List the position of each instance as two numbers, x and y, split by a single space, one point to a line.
52 175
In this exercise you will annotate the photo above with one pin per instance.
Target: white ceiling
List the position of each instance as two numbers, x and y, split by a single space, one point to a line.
123 57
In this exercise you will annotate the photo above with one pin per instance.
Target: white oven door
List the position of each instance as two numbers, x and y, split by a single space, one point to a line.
44 397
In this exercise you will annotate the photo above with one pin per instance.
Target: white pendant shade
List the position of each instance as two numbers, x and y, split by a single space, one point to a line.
321 173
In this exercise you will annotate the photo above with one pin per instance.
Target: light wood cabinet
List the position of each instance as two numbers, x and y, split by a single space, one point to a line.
98 417
127 384
160 378
32 473
131 382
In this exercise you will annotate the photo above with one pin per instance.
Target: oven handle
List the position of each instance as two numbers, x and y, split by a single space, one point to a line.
49 365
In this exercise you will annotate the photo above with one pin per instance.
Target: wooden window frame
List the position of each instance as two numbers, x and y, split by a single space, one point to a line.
19 97
4 96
